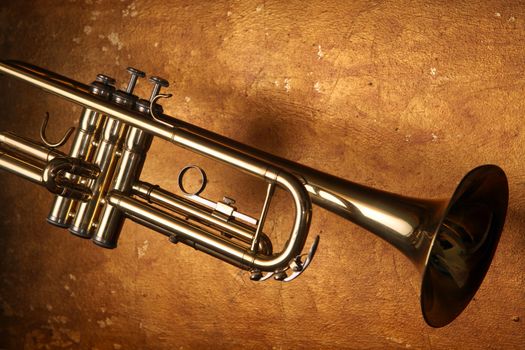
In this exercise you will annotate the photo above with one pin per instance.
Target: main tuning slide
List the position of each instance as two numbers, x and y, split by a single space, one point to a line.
97 186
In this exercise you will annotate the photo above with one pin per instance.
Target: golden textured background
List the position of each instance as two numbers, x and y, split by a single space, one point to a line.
402 95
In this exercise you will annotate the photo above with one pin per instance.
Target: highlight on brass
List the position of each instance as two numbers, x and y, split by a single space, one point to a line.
97 186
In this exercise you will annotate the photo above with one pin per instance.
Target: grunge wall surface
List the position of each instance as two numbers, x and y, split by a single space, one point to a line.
406 96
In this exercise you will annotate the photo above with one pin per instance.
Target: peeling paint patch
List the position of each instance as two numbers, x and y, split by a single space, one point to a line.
108 321
398 341
115 40
497 14
88 29
320 53
130 10
94 15
317 87
259 8
141 251
228 14
434 137
433 71
105 323
187 99
511 19
55 333
76 40
72 277
287 85
74 336
58 319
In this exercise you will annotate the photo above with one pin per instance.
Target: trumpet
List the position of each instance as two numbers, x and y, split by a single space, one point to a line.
97 186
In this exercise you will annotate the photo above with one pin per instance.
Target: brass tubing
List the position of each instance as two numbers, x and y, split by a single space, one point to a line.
188 232
25 168
78 93
183 206
198 139
28 147
178 227
196 246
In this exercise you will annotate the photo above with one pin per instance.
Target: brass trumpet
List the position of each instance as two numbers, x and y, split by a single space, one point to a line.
97 186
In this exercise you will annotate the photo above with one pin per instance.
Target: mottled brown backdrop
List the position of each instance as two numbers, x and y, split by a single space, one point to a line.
402 95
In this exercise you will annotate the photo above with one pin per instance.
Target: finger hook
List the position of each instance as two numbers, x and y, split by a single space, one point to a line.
48 143
152 108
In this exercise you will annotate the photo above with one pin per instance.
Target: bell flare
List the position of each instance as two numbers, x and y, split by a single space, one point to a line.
464 244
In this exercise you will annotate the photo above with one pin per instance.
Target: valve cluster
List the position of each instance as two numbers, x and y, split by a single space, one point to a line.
104 86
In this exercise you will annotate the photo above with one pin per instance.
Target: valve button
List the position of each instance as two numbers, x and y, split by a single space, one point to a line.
158 83
104 79
135 74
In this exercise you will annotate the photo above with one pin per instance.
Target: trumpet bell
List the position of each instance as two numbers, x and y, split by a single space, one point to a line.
451 242
463 245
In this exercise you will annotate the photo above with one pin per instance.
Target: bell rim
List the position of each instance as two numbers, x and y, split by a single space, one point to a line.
484 172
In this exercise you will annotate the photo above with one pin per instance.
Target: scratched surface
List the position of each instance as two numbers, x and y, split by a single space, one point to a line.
404 96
